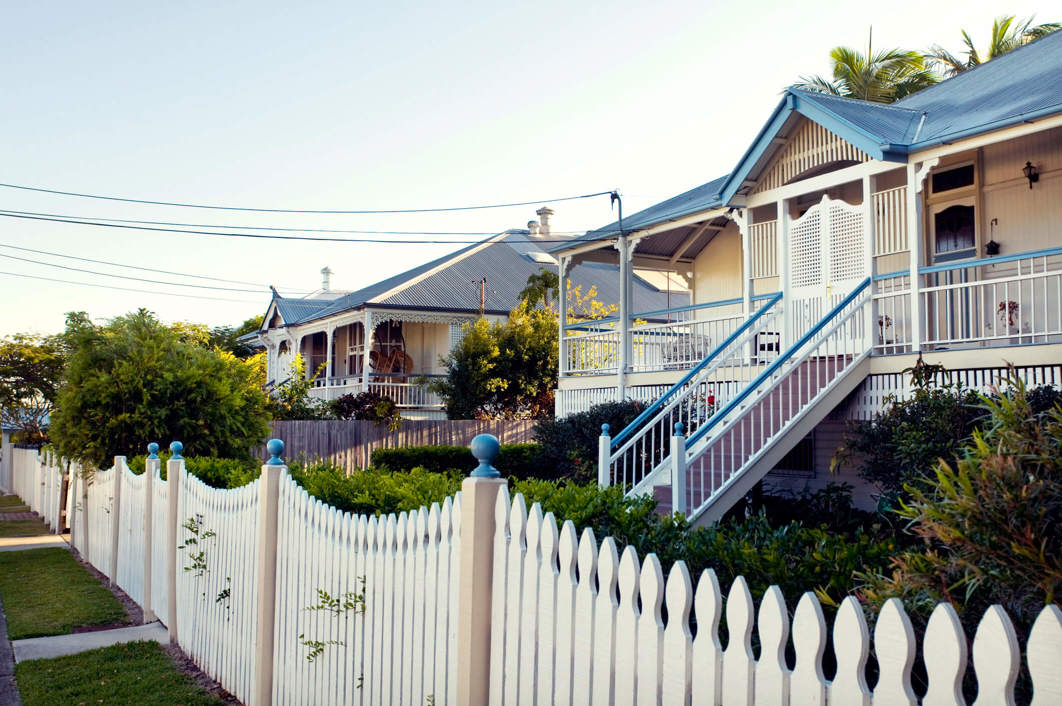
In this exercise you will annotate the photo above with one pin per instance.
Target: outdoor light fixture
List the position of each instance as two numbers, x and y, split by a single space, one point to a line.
1031 173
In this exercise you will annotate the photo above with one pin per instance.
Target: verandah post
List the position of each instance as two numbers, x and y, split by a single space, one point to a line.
116 514
604 455
173 490
151 467
474 599
268 502
678 470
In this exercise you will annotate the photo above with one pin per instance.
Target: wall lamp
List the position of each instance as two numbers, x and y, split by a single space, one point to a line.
1031 173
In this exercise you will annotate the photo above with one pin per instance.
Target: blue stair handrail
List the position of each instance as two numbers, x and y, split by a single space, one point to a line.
777 363
661 401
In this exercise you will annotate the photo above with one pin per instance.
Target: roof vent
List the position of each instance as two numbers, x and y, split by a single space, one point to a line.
533 227
326 278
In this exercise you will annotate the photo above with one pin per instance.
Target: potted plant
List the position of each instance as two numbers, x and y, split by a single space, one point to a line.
1007 311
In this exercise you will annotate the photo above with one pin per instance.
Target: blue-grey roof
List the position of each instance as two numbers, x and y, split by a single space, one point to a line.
454 284
1021 85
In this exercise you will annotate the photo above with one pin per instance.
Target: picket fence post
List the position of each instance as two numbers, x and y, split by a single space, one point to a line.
479 494
173 488
268 500
604 454
151 467
116 513
678 470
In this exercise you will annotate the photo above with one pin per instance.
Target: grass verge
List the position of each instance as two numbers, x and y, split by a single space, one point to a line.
6 500
46 592
22 528
131 673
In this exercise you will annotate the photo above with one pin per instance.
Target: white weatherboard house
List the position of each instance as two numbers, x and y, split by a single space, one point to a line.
851 238
415 318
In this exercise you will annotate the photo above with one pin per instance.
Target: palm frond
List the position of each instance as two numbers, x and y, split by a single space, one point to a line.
818 84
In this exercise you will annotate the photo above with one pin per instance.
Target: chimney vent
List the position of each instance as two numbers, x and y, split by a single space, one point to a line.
533 227
543 216
326 279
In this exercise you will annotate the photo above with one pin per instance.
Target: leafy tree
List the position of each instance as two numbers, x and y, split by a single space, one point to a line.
540 287
134 380
1008 33
227 337
882 76
31 370
503 370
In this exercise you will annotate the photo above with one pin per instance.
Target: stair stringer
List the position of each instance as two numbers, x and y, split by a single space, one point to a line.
799 427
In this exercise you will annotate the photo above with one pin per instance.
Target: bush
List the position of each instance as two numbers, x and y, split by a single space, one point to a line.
369 405
991 524
134 380
375 491
514 460
216 472
569 445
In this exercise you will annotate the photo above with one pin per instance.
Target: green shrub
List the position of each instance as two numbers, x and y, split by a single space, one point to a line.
514 460
375 491
215 472
569 445
990 524
369 405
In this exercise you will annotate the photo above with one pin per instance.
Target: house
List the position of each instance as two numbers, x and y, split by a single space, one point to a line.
414 319
851 240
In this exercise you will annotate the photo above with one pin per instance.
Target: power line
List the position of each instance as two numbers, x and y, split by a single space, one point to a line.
144 269
265 236
123 277
295 210
271 228
128 289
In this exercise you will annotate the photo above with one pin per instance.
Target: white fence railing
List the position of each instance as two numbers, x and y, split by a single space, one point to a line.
513 609
407 392
38 479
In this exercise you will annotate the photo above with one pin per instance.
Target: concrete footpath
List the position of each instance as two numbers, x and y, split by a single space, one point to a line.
60 645
44 541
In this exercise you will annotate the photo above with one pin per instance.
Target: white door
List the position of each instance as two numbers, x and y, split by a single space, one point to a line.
953 313
827 260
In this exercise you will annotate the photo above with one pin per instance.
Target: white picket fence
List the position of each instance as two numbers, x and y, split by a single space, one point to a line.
37 478
556 618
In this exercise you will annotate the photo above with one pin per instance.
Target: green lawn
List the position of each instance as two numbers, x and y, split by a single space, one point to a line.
7 500
22 528
14 508
133 673
46 592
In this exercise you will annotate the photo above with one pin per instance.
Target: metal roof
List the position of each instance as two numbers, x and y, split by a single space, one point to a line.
451 283
1021 85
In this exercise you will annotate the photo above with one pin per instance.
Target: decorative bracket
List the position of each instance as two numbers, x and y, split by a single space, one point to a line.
923 171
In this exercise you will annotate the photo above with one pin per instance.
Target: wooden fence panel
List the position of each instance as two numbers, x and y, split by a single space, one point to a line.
349 443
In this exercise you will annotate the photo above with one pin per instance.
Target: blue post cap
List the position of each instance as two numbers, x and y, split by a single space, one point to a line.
678 428
176 448
275 447
604 429
153 450
485 448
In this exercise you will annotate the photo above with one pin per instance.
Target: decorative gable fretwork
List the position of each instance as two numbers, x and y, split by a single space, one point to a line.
809 146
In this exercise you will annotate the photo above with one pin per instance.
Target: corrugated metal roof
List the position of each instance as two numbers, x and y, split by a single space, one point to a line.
1003 91
1007 90
455 286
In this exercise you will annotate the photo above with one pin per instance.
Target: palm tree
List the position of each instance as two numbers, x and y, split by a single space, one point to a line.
1007 34
881 77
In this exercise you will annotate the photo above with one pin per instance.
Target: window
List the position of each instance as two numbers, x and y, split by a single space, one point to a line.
952 179
954 229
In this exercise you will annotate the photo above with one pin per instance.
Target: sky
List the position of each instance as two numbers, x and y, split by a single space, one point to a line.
352 106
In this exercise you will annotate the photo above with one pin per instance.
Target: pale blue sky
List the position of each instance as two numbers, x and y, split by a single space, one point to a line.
332 105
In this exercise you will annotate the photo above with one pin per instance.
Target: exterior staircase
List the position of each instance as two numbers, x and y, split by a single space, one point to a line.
717 432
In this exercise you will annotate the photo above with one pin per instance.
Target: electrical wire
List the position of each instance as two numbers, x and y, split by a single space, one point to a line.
297 210
123 277
144 269
266 236
128 289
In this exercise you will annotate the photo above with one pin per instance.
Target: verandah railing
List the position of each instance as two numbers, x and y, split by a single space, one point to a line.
1004 300
481 600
